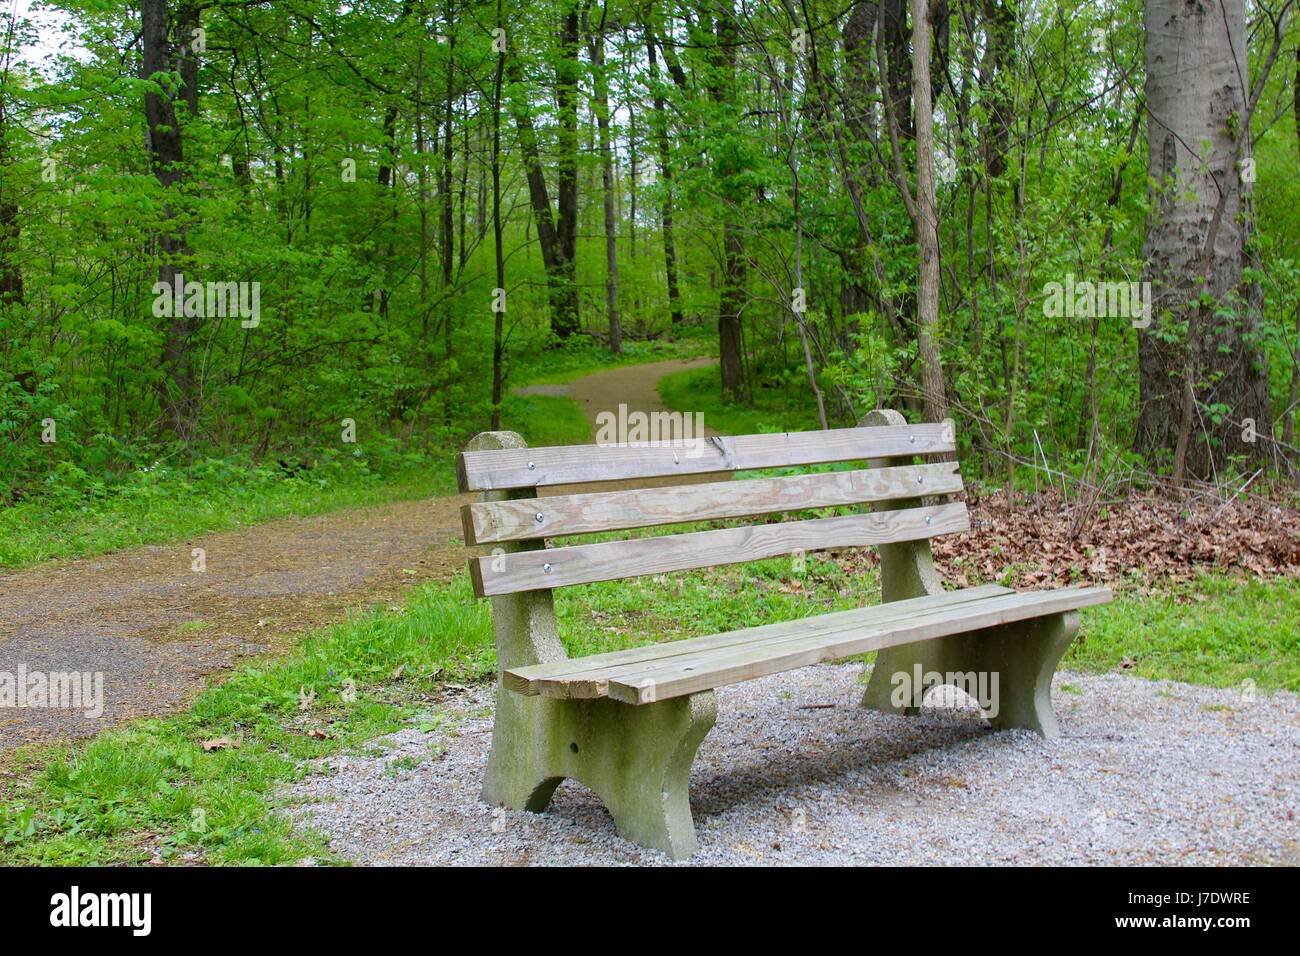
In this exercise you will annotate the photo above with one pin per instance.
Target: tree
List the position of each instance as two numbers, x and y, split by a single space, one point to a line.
170 63
556 234
11 274
925 220
663 146
600 77
735 191
1202 369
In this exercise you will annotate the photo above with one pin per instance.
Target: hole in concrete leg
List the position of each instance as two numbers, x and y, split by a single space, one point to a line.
573 747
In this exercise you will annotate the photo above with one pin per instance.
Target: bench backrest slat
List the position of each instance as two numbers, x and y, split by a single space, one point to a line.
508 573
579 464
488 522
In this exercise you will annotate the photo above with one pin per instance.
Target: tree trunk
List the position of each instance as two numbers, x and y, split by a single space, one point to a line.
659 122
597 45
731 300
862 120
633 175
566 227
422 181
447 212
1293 393
1202 349
498 330
897 79
165 39
934 401
995 78
562 290
11 275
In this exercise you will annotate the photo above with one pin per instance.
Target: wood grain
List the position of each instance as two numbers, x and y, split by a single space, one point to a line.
724 666
572 464
585 677
611 560
556 516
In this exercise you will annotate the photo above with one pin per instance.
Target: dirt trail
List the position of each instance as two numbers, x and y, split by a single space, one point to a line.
155 628
636 386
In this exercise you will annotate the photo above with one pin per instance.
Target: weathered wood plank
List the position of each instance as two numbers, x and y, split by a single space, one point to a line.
586 677
710 669
573 464
490 522
611 560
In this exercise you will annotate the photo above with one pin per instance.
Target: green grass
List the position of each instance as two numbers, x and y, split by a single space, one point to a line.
581 356
546 420
155 513
85 515
774 409
133 792
1216 630
168 504
150 788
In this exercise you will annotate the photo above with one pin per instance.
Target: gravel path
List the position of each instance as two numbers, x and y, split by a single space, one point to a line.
155 628
124 615
1146 773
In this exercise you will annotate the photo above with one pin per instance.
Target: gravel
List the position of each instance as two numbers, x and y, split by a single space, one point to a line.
795 773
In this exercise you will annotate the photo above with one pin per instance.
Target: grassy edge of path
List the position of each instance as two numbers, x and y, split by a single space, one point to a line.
152 790
215 496
203 785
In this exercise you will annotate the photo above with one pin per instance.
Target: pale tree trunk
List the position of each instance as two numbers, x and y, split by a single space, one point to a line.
926 219
798 281
632 158
1198 134
601 78
792 138
1293 393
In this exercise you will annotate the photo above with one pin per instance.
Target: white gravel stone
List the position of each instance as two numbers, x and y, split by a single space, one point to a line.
1145 773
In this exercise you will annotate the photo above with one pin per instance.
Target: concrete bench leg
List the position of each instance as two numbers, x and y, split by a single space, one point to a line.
1023 656
637 759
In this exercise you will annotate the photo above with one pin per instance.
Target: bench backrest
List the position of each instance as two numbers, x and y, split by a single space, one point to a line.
514 525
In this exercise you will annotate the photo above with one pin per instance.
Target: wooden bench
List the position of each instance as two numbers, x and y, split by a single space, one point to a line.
627 724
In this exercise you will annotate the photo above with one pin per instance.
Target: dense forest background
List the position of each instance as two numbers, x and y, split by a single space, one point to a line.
852 205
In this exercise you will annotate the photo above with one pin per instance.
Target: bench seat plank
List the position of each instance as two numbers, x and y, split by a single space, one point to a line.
488 522
610 560
506 468
716 669
799 646
586 677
